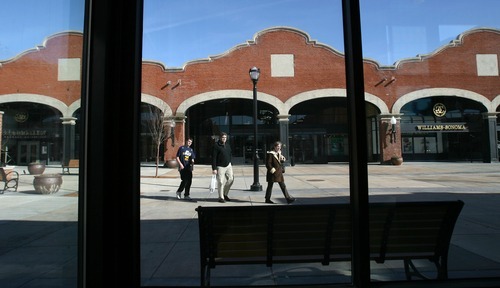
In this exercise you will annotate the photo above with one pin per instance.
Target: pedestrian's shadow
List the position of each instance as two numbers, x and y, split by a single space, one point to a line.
168 198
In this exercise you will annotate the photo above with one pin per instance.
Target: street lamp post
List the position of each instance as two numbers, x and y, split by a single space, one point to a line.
254 75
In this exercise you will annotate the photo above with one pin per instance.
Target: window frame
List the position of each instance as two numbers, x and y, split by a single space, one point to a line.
109 203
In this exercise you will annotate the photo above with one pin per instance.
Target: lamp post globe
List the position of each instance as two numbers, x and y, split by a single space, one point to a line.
254 75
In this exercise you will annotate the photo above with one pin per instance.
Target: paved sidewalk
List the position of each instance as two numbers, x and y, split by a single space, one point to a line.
38 239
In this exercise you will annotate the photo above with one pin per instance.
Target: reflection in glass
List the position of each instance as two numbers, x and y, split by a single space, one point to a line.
426 61
203 45
40 91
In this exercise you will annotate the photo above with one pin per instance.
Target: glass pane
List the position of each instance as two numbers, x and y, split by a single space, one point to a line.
437 74
40 89
197 56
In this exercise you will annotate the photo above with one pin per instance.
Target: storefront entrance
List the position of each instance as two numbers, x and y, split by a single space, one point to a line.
27 152
454 134
31 132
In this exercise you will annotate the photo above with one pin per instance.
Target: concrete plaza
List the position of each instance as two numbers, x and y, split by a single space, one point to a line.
38 240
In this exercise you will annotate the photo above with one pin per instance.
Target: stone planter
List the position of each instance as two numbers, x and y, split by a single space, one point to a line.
172 163
36 168
47 183
396 160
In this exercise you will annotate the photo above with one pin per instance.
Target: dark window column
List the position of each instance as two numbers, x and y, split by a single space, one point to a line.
1 134
68 138
358 162
491 148
284 135
109 178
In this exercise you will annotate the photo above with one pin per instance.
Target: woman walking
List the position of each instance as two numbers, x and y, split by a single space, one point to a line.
275 170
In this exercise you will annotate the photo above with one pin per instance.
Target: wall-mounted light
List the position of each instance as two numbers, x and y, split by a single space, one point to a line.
166 85
393 129
390 81
171 135
381 81
179 82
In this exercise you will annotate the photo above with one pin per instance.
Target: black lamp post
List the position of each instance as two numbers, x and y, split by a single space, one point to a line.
254 75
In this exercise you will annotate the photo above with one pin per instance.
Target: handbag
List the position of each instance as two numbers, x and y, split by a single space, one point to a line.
213 184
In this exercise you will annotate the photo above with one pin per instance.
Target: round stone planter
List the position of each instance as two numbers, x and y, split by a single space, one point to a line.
397 161
47 183
36 168
171 163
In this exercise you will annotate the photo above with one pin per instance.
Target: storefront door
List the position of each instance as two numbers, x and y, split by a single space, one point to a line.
28 151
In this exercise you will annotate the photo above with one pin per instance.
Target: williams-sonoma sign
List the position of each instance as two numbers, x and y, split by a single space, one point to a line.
449 127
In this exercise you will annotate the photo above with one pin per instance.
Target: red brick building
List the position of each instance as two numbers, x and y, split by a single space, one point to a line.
445 103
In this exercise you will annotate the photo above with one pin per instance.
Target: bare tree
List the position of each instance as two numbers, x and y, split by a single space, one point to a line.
160 128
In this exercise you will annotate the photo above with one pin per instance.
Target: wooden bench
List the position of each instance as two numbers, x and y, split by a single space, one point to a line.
72 163
269 234
10 178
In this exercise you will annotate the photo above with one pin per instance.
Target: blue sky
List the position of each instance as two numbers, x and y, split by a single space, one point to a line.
177 31
25 24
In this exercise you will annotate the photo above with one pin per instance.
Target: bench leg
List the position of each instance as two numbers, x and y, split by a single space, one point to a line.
411 270
5 187
202 275
16 183
205 276
442 268
207 280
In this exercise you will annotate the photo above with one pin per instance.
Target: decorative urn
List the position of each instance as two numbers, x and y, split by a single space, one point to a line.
396 160
47 183
36 168
172 163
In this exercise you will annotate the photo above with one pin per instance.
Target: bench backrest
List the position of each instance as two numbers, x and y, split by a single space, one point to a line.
322 233
271 234
416 229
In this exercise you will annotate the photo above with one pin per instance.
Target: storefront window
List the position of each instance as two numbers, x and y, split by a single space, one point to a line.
41 53
225 39
441 120
400 39
424 67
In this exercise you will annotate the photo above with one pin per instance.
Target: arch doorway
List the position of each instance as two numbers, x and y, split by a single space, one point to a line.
31 132
234 116
319 131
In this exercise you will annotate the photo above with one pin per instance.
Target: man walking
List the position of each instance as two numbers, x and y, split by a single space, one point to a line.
221 166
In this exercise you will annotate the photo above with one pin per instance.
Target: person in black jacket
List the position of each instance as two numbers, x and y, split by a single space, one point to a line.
275 170
185 158
221 166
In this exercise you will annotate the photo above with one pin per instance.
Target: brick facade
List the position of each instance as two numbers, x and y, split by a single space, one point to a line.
316 67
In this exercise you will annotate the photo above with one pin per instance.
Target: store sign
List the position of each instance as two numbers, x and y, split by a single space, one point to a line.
24 134
450 127
439 109
21 116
